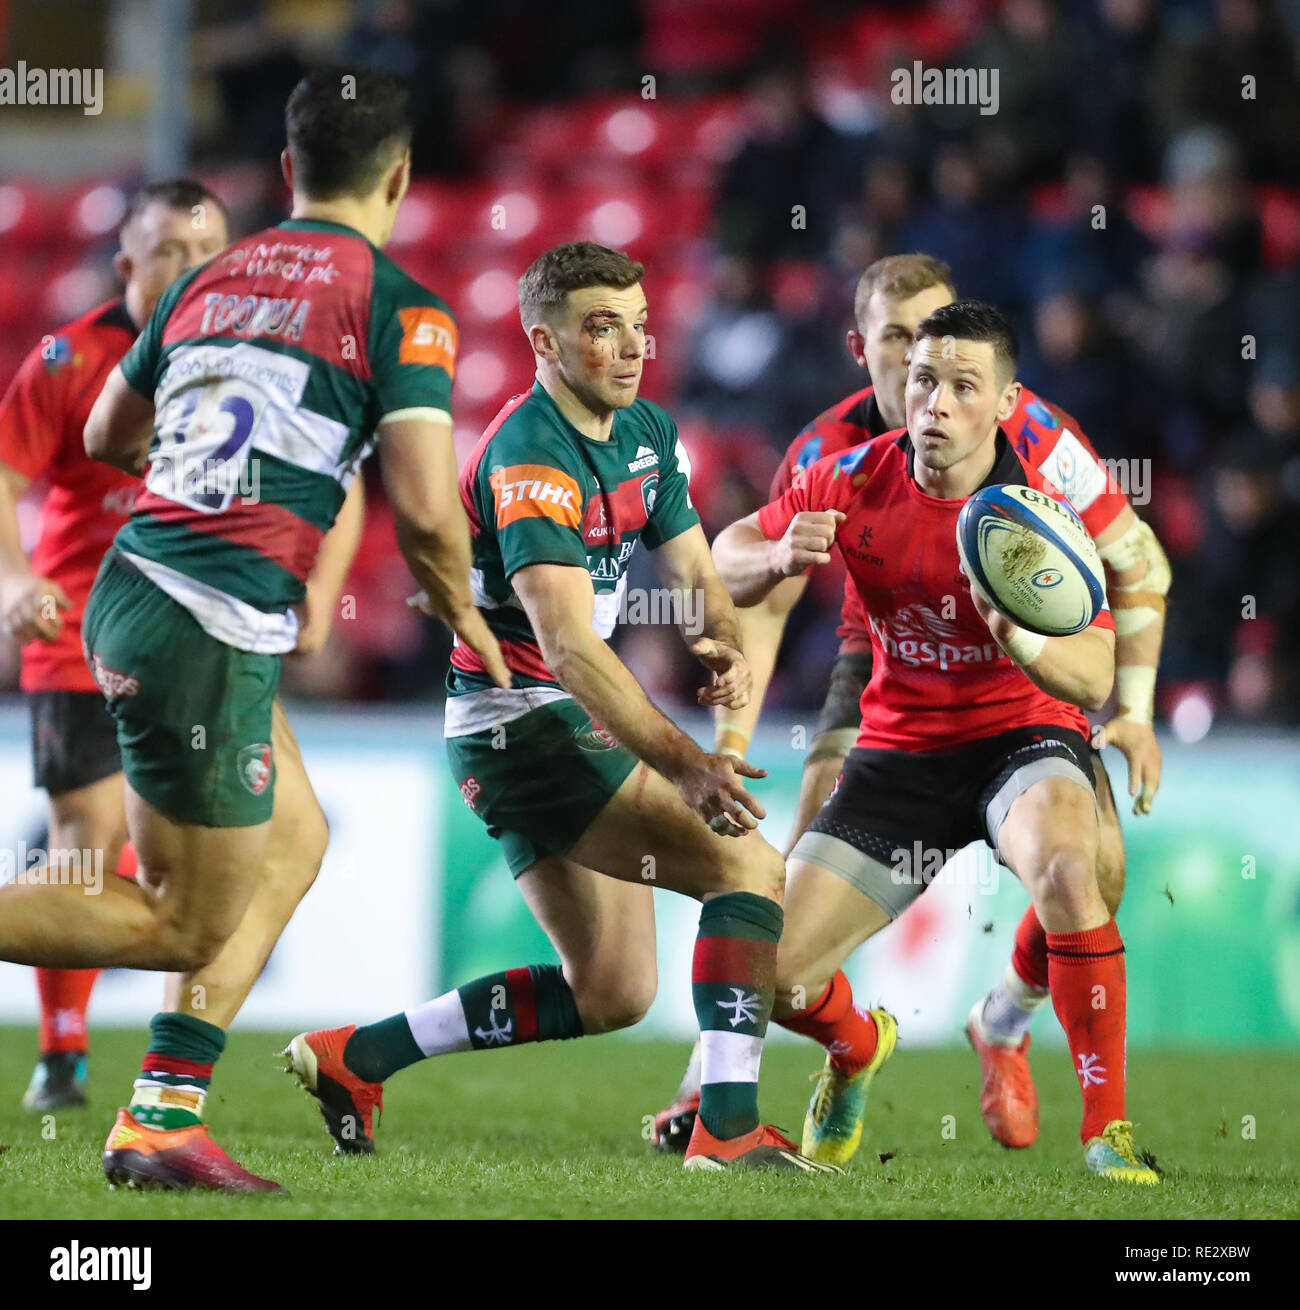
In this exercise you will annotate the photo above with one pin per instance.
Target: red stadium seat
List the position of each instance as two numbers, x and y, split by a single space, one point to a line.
93 210
27 210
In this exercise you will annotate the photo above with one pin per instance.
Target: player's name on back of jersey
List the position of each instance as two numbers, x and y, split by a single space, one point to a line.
254 316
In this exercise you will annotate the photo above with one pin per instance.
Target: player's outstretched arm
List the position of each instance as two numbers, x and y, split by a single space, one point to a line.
120 427
1079 669
750 565
559 601
761 629
1138 579
708 620
418 462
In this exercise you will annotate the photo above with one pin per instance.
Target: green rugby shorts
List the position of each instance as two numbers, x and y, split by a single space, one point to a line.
193 714
539 781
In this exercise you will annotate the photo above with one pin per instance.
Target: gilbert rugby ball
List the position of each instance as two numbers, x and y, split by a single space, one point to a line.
1032 557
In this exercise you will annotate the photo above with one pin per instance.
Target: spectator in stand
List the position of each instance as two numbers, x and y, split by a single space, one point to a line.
963 223
1074 359
1089 242
1236 621
1202 80
780 195
1112 99
1191 334
1037 54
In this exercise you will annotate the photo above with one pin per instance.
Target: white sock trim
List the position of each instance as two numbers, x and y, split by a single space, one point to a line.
1023 995
439 1026
729 1057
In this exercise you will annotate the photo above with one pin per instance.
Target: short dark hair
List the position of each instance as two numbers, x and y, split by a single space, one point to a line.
900 277
973 320
345 126
570 267
183 193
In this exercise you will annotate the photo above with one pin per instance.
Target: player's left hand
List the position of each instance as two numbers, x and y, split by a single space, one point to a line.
1138 743
732 679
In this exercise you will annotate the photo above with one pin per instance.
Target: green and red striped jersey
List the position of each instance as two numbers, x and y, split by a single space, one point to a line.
270 368
539 492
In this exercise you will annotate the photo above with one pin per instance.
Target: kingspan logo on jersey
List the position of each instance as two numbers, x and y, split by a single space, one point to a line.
918 637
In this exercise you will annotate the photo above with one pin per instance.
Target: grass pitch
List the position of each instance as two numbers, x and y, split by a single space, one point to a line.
555 1132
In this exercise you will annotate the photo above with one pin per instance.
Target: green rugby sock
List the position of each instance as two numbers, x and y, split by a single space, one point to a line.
733 981
532 1004
176 1072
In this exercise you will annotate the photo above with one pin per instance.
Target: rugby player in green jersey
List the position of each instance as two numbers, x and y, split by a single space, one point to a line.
260 383
595 796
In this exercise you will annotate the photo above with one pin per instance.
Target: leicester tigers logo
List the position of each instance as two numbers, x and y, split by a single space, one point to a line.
254 767
649 492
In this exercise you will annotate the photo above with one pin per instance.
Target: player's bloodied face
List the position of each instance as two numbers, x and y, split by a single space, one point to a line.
161 243
887 331
602 345
956 397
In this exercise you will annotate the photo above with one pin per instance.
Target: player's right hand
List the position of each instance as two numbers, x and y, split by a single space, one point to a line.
807 541
471 630
711 786
32 609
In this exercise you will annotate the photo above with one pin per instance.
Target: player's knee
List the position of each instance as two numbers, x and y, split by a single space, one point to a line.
183 949
606 1009
751 865
1068 879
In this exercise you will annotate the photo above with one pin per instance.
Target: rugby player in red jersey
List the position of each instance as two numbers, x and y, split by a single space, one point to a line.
894 294
971 728
169 227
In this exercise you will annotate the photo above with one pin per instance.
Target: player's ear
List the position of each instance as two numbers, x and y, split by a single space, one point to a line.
543 341
400 178
1010 399
122 267
286 167
857 344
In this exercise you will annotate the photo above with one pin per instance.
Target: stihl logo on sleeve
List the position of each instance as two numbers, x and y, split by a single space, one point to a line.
428 337
531 491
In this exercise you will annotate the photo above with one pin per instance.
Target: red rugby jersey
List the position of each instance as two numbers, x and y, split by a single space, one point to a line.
938 680
42 417
1045 437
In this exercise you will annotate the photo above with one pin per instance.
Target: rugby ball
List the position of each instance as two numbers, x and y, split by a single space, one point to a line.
1032 557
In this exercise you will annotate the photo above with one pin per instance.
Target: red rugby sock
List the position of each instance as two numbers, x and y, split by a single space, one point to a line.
848 1034
65 994
1086 973
1029 959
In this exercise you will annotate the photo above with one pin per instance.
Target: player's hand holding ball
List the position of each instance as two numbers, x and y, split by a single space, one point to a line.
733 682
807 541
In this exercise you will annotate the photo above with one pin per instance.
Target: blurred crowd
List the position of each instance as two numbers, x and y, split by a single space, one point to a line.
1133 202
